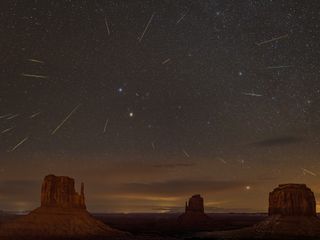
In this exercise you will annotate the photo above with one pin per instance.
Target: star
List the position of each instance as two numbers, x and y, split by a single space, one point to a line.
131 114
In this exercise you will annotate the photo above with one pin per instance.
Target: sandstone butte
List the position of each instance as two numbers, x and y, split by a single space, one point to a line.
194 216
292 200
291 214
62 214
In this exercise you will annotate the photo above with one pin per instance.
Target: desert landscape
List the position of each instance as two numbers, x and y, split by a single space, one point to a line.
159 119
63 215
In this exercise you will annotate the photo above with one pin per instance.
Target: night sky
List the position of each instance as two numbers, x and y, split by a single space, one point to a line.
149 102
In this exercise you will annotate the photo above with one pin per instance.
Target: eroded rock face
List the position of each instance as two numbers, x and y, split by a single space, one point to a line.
60 192
195 204
62 214
292 215
292 200
194 216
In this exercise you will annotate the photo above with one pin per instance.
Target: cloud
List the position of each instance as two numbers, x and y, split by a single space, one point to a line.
178 187
19 194
208 209
19 189
278 141
174 165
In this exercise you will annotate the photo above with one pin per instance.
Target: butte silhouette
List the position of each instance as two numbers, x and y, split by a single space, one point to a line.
292 214
194 216
62 214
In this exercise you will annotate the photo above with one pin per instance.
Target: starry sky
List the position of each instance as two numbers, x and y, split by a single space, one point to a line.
149 102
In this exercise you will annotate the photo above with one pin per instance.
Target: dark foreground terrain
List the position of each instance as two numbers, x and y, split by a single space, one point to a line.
166 223
141 226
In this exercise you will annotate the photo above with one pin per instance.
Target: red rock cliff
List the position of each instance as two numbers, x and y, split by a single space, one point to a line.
195 204
60 192
292 200
194 217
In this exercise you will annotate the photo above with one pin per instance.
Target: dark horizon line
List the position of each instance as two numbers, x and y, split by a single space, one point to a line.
125 213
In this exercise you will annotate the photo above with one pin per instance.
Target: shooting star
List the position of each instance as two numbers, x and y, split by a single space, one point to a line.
166 61
306 171
252 94
185 153
34 75
13 116
105 126
272 40
276 67
64 120
7 130
19 144
182 17
34 115
146 28
5 116
222 160
153 146
35 60
107 25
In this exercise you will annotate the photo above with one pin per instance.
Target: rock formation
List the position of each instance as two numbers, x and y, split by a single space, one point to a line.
194 216
62 214
195 204
60 192
292 200
292 214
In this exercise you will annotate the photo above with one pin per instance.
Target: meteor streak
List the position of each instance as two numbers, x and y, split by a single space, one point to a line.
185 153
34 115
7 130
252 94
306 171
105 126
182 17
13 116
19 144
166 61
276 67
35 60
107 25
272 39
34 75
146 28
64 120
